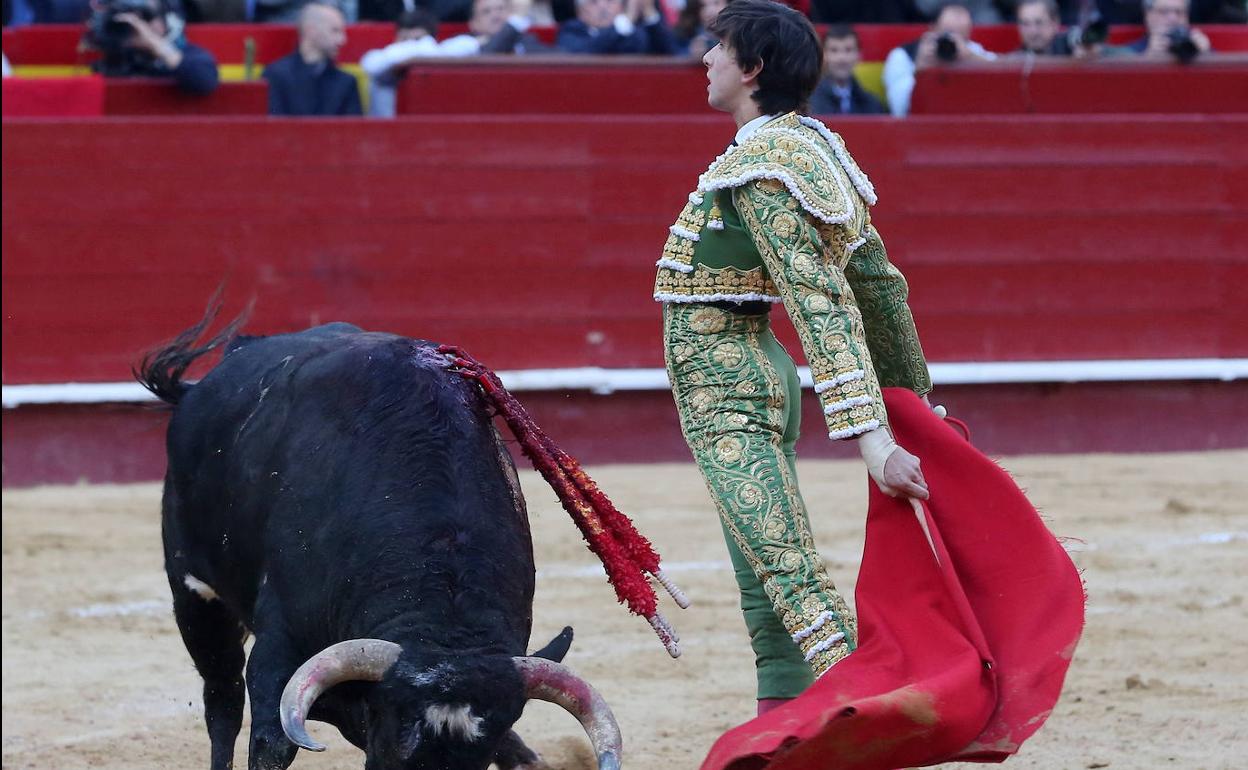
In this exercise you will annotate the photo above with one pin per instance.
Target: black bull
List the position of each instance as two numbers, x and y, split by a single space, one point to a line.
343 497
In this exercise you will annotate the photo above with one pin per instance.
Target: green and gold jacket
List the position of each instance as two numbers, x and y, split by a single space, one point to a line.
783 217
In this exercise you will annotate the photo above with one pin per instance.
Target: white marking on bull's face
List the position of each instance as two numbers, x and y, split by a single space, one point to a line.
456 721
201 588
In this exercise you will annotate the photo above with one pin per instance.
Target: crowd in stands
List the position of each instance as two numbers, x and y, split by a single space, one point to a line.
146 38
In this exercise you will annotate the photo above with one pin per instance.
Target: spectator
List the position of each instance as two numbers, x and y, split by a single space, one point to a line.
143 38
414 38
1168 33
1219 11
981 11
22 12
493 28
840 93
865 12
1040 27
215 11
277 11
616 26
385 10
947 42
691 35
308 82
448 10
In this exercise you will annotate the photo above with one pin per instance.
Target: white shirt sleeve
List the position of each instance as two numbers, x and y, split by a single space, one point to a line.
898 81
460 45
623 25
379 60
980 51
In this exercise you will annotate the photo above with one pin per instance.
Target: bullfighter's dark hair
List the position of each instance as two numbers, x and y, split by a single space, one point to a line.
161 370
783 41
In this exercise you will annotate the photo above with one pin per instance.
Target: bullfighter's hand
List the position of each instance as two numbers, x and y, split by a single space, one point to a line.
903 476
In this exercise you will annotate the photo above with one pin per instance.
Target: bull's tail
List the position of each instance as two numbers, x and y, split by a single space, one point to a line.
161 369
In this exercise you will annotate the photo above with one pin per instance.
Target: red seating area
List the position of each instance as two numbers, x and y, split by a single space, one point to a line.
57 44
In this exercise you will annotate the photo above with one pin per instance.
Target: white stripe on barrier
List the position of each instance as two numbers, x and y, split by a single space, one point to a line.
604 381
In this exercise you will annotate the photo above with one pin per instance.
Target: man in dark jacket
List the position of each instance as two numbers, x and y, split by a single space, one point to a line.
151 49
840 93
616 26
307 82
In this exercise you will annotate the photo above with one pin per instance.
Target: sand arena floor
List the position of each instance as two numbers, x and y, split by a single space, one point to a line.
95 675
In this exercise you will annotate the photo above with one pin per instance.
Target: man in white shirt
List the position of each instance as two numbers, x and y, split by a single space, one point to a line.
414 38
948 41
490 30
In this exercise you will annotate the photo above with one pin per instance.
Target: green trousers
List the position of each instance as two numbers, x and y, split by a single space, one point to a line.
739 400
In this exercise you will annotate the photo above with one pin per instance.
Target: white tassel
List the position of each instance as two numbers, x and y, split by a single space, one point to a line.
847 403
682 232
825 644
824 617
854 431
840 379
748 297
670 264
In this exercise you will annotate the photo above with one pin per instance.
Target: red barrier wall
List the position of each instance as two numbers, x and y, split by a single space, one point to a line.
531 240
139 96
500 85
50 44
633 85
1064 86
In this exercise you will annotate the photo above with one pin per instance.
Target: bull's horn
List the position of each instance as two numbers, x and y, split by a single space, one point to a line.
550 681
355 660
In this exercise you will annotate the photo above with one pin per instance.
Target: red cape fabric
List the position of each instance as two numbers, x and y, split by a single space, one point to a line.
964 640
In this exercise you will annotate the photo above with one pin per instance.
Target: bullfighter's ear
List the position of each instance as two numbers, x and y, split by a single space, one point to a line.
454 720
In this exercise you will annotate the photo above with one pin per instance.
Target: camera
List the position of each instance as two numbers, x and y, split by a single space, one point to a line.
1094 32
946 48
1181 46
106 33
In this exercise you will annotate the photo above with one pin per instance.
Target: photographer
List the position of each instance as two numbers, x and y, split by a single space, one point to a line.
143 38
1169 33
1039 29
947 42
